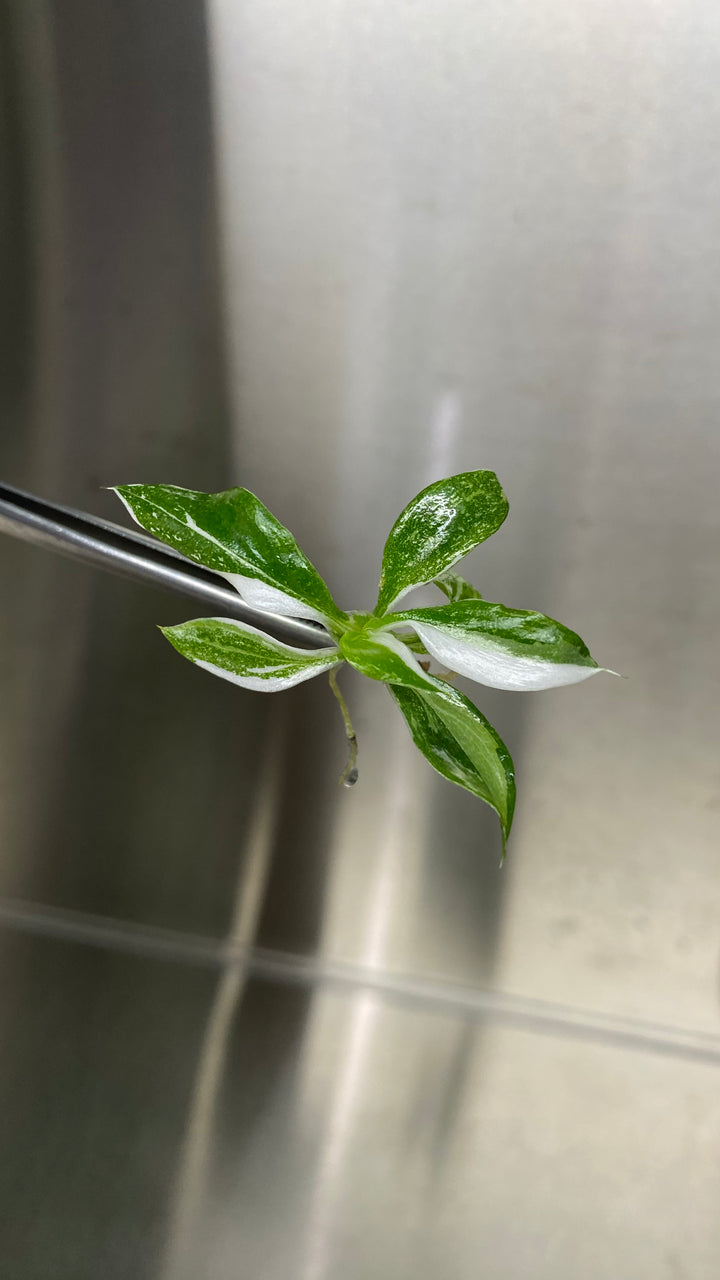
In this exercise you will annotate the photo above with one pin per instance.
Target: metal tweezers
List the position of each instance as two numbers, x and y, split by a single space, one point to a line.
109 546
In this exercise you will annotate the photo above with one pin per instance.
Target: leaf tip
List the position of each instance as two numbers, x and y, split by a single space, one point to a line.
504 836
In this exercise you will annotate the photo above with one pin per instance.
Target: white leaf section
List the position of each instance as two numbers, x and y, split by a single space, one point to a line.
203 533
262 596
274 666
392 642
392 607
491 664
395 644
268 683
259 595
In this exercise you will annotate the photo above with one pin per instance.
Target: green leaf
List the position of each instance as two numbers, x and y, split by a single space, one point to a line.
235 535
451 733
504 648
461 745
457 588
246 656
439 526
383 656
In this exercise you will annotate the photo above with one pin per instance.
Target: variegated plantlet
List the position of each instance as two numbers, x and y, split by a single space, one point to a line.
233 534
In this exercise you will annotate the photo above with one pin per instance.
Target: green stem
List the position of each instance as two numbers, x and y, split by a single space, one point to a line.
349 775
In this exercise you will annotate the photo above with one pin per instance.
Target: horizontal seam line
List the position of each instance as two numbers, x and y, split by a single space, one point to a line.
443 997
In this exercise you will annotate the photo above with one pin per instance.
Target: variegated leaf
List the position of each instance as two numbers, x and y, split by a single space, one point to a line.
436 529
242 654
462 745
452 734
384 656
234 534
456 588
504 648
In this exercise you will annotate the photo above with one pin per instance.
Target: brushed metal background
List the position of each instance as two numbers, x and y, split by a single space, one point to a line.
258 1026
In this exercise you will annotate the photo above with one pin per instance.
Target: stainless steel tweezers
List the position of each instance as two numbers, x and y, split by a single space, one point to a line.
108 546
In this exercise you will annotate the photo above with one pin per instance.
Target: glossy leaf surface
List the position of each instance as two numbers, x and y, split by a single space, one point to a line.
384 656
436 529
504 648
242 654
462 745
234 534
456 588
451 733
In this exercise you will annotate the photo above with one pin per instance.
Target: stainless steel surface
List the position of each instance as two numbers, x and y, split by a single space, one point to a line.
297 970
126 790
93 1100
288 1131
488 236
108 546
447 236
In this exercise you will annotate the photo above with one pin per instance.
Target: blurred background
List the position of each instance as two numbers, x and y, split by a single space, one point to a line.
255 1027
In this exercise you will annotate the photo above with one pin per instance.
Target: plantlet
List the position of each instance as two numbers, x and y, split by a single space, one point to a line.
233 534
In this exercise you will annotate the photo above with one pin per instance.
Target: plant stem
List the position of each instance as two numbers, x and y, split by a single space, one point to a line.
349 775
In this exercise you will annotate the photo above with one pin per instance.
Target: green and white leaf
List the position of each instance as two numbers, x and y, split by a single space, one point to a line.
234 534
462 745
242 654
457 588
512 649
452 734
384 656
436 529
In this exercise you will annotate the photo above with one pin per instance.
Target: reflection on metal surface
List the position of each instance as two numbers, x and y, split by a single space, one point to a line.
531 1174
526 1013
391 826
193 1170
346 1088
124 784
452 236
